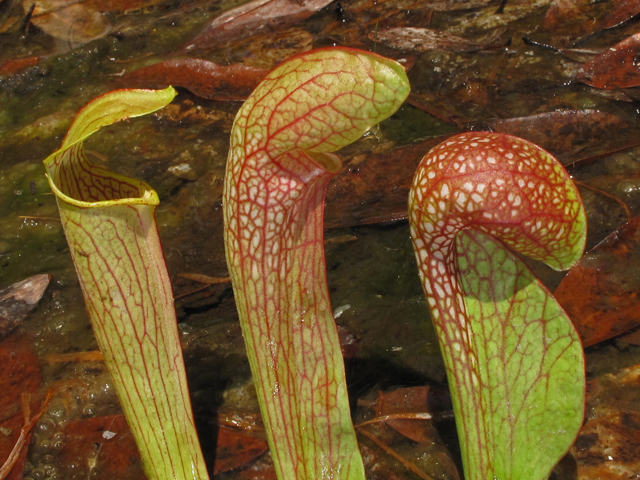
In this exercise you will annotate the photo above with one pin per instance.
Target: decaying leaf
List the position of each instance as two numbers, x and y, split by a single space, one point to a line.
202 77
608 445
19 373
374 188
12 467
100 448
73 22
18 300
256 16
79 21
601 294
17 65
574 18
620 12
269 49
10 430
235 449
615 68
401 415
426 39
187 111
572 135
416 405
20 379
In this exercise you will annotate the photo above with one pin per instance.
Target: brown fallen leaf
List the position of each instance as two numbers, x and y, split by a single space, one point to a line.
409 465
572 135
374 188
13 66
409 411
20 377
18 300
235 449
100 448
608 445
261 469
620 12
428 102
436 5
70 21
10 437
269 49
573 18
92 356
348 343
616 67
202 77
602 192
403 408
633 338
200 278
19 373
78 21
14 462
340 239
601 294
254 17
427 39
187 111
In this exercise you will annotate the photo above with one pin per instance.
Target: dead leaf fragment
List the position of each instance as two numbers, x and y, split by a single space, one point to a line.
618 67
19 372
424 40
18 301
235 449
416 404
269 49
70 21
8 441
14 66
202 77
573 18
200 278
601 294
374 188
92 356
20 379
572 135
14 461
100 448
408 411
608 444
254 17
620 12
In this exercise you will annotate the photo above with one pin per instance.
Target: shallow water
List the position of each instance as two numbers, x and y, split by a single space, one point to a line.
372 276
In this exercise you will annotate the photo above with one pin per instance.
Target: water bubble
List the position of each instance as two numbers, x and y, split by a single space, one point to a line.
38 473
46 424
629 186
106 388
57 409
